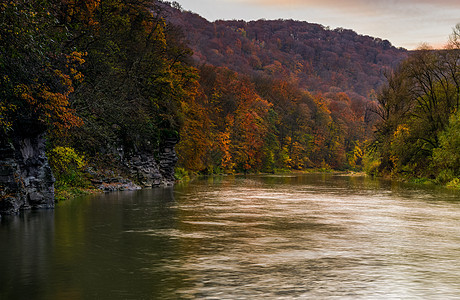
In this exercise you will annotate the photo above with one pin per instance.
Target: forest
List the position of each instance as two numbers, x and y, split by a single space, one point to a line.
241 97
419 134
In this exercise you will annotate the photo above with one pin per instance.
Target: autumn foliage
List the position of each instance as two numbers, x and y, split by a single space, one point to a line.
104 77
37 77
310 90
243 124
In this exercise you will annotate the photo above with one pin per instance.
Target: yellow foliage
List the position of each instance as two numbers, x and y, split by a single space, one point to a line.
64 157
402 131
398 141
356 156
224 142
67 166
6 109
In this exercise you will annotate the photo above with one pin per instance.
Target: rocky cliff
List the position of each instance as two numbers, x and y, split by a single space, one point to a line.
26 180
143 170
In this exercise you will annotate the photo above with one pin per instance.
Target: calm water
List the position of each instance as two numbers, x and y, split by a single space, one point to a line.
257 237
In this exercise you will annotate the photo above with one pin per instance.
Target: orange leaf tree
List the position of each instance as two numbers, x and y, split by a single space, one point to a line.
36 76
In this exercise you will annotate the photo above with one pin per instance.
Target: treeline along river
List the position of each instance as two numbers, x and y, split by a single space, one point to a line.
315 236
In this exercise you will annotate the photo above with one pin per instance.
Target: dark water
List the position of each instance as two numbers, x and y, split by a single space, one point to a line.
259 237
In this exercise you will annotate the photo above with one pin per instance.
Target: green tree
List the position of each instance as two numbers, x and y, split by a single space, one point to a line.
415 107
446 158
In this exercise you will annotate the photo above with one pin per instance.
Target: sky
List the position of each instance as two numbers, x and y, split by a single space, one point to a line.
405 23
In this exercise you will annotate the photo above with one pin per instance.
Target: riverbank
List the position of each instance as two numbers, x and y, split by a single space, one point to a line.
183 175
451 184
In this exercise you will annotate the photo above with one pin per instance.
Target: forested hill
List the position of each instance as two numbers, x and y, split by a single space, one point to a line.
109 86
314 56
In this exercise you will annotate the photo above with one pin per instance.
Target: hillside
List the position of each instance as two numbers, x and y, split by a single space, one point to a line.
279 94
109 87
315 57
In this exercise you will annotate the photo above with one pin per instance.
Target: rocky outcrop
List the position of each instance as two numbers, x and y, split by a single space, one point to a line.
168 160
26 180
114 184
140 170
149 171
12 193
144 169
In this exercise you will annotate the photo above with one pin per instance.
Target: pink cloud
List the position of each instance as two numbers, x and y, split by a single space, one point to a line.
351 3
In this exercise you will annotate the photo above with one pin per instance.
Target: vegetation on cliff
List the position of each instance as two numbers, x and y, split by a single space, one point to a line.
99 77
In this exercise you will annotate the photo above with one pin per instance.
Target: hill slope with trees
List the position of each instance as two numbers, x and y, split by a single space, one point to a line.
319 85
106 88
317 58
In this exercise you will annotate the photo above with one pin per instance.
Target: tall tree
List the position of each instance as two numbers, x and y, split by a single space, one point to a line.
136 74
415 107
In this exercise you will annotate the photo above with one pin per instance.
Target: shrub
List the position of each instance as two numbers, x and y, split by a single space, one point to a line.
371 163
68 167
455 183
181 175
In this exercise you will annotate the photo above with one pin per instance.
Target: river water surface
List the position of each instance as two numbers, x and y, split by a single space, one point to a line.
316 236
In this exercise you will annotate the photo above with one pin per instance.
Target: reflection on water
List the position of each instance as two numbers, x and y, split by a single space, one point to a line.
316 236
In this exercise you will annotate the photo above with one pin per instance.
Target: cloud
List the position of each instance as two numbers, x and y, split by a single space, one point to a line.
407 10
405 23
361 7
352 3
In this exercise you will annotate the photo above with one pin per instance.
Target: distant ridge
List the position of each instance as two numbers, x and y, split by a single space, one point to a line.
315 57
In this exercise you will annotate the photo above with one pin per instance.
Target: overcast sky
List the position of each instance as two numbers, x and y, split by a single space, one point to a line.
405 23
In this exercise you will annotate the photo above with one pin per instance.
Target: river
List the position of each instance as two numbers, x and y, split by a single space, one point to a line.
314 236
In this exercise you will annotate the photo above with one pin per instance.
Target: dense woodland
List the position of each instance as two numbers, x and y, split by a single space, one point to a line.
95 75
419 132
316 58
241 96
306 91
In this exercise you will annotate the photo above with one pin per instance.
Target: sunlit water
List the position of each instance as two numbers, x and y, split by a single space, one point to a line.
257 237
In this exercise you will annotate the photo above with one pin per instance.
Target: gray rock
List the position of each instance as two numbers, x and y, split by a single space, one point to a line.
151 171
26 180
